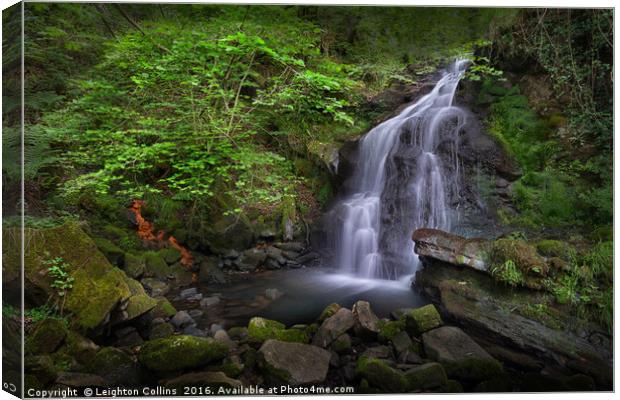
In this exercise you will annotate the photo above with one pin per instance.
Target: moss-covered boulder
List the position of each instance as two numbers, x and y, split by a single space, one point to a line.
80 348
261 329
170 255
98 287
163 308
156 265
426 376
112 252
48 335
160 331
423 319
116 367
135 265
180 352
41 367
389 329
380 375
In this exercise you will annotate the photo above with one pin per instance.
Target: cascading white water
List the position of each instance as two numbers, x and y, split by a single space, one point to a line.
407 178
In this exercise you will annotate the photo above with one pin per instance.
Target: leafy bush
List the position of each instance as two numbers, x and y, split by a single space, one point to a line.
507 273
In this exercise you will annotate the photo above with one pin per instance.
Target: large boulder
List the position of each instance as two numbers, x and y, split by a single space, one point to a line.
380 375
179 352
366 322
48 335
459 354
116 367
493 314
333 327
98 287
294 363
453 249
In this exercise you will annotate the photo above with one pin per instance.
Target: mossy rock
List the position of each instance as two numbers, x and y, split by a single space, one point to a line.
163 308
329 311
135 265
180 352
423 319
156 265
113 232
426 376
553 248
80 348
170 255
161 331
451 386
112 252
139 304
524 256
41 367
262 329
48 335
380 375
389 329
116 366
98 286
238 332
342 344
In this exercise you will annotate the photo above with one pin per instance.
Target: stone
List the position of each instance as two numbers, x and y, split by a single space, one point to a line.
189 292
211 379
308 257
180 352
135 266
388 329
267 234
222 337
156 265
290 255
453 249
80 348
48 335
81 380
195 313
132 339
366 322
98 286
382 352
137 305
274 264
163 308
182 319
156 287
426 376
42 367
273 294
402 344
334 326
170 255
192 330
160 331
342 344
231 254
294 363
209 301
381 376
116 367
215 328
112 252
252 259
238 332
462 358
329 311
290 246
210 272
261 329
420 320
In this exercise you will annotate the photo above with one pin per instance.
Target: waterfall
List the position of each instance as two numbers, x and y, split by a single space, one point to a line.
406 178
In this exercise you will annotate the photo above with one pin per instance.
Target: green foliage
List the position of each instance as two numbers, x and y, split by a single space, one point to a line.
62 281
507 273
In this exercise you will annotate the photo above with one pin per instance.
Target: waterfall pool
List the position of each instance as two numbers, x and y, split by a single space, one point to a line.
305 293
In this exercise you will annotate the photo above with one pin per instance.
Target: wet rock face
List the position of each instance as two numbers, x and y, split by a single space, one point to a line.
294 363
453 249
